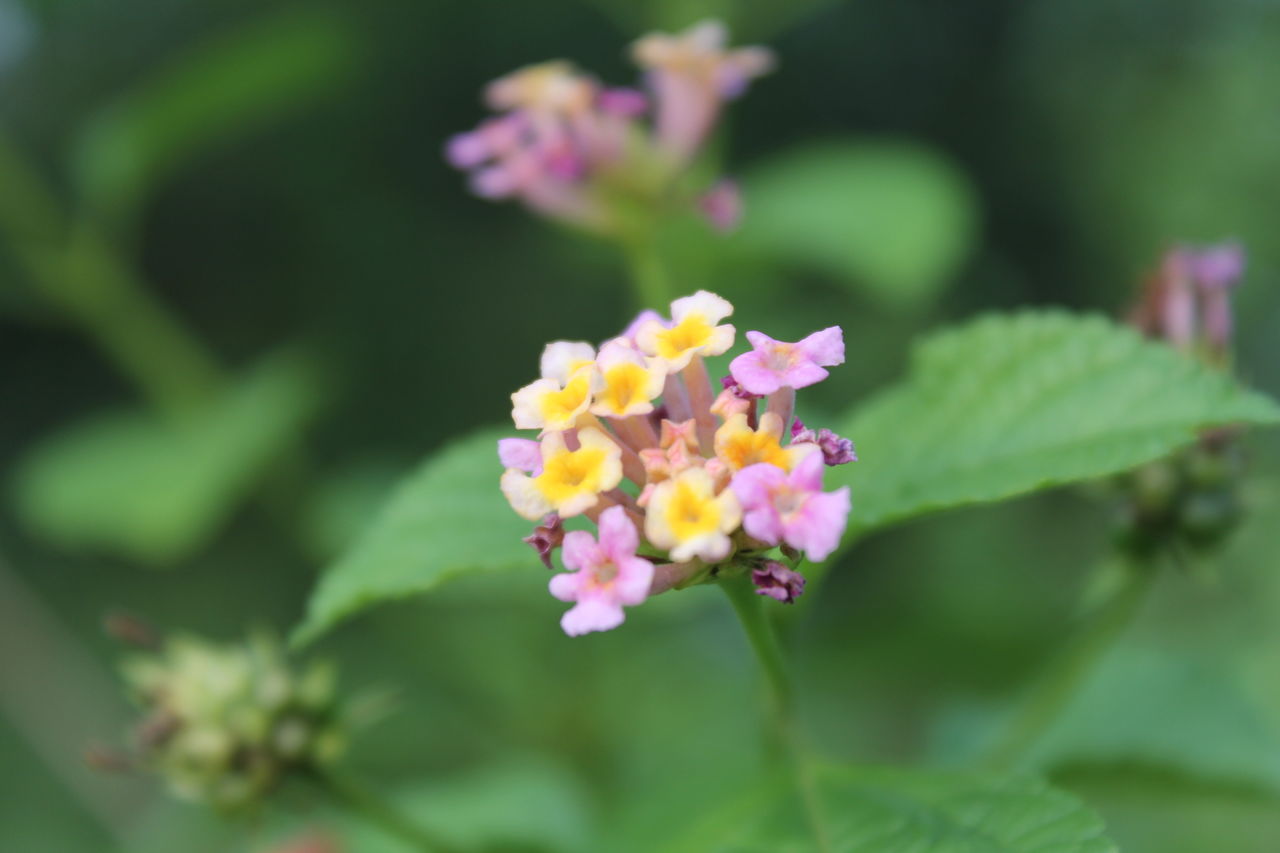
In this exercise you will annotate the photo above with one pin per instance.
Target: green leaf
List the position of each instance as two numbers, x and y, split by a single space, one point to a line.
153 490
1008 404
449 518
868 810
894 219
524 804
220 91
1210 729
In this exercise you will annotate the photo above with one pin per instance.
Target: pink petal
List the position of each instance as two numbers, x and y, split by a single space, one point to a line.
764 524
594 614
803 375
618 537
752 373
581 551
807 474
523 454
817 528
825 347
641 319
466 150
755 484
564 586
635 575
762 342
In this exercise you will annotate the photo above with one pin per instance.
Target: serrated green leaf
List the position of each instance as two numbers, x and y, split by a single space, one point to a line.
153 490
218 91
873 810
447 519
1008 404
894 220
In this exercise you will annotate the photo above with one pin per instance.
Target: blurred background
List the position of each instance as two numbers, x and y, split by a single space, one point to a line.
267 177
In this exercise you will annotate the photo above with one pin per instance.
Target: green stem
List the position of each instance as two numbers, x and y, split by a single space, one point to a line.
764 642
649 281
375 810
1057 685
75 269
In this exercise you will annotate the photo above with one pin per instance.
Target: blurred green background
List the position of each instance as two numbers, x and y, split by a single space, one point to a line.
271 172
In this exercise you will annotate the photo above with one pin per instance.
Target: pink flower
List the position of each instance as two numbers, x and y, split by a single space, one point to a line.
692 74
772 365
792 508
607 575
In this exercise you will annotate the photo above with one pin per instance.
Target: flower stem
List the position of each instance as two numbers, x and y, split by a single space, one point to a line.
764 642
375 810
649 281
1049 695
72 266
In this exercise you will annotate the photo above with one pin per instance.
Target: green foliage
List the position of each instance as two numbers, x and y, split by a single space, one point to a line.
153 490
1008 404
892 219
903 811
523 804
447 519
1209 728
220 91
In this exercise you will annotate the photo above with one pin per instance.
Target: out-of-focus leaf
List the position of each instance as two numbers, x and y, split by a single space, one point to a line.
905 811
216 93
894 220
1008 404
154 490
345 503
1208 728
524 804
447 519
1150 810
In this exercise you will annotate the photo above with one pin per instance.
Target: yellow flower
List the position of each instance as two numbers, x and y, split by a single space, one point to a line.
686 516
629 382
693 331
739 446
570 480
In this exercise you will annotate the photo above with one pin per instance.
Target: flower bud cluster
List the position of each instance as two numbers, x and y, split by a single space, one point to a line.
594 156
224 725
683 483
1191 497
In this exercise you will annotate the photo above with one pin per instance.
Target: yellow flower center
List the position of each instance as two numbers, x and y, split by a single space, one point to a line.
560 408
625 387
571 473
690 513
749 448
692 332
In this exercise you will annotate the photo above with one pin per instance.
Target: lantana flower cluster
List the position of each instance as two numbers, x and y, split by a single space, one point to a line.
596 156
684 478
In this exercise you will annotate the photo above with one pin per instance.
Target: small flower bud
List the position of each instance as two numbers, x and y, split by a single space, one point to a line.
546 538
835 450
778 582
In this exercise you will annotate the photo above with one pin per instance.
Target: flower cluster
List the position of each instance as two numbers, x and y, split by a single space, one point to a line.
573 149
225 725
1191 497
684 483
